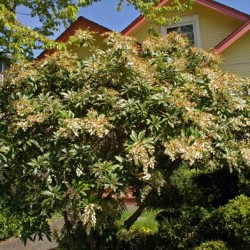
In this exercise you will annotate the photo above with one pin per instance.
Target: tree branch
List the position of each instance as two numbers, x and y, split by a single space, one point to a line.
131 220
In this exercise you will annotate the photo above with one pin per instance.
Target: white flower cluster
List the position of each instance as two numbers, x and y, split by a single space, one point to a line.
93 123
37 118
79 172
23 107
237 123
24 124
229 92
206 57
49 179
202 119
246 155
187 150
81 35
159 182
181 99
187 76
88 218
72 127
144 192
97 124
143 156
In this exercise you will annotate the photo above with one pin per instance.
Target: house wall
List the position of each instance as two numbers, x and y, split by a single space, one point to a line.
142 32
237 56
214 28
84 52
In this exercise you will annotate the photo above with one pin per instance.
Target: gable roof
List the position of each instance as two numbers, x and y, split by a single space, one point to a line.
211 5
85 23
81 22
232 37
224 9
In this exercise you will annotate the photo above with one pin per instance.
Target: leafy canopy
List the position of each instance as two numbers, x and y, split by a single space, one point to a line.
19 40
76 134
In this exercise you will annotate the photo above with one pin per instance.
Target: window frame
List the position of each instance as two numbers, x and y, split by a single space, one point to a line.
187 20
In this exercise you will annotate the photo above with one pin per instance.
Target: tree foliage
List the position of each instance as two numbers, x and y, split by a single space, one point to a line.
19 40
76 134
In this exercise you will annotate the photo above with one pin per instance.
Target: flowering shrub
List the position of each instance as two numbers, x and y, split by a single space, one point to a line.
124 118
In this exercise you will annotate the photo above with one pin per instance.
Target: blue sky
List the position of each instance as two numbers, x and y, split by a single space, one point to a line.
104 13
242 5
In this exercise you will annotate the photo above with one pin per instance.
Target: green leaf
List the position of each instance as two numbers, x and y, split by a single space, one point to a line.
47 193
133 136
141 135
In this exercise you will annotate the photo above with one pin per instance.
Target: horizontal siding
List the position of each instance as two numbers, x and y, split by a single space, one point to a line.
236 58
241 69
84 52
142 32
214 26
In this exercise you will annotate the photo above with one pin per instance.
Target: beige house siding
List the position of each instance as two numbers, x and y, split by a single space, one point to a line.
214 28
84 52
142 32
237 56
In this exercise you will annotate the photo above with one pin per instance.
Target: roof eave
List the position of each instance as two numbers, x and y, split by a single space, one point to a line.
139 21
232 38
80 22
224 9
207 3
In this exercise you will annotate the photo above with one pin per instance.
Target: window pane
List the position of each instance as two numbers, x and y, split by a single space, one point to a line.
188 30
174 29
190 37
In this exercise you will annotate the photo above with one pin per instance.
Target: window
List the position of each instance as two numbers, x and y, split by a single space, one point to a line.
189 26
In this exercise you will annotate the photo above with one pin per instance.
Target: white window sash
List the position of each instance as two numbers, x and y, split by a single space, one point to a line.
187 20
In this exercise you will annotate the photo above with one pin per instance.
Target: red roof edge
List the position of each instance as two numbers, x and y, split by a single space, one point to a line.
134 25
233 37
80 22
224 9
139 20
208 3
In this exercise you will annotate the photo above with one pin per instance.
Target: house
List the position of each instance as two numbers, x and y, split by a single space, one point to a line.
209 25
81 23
